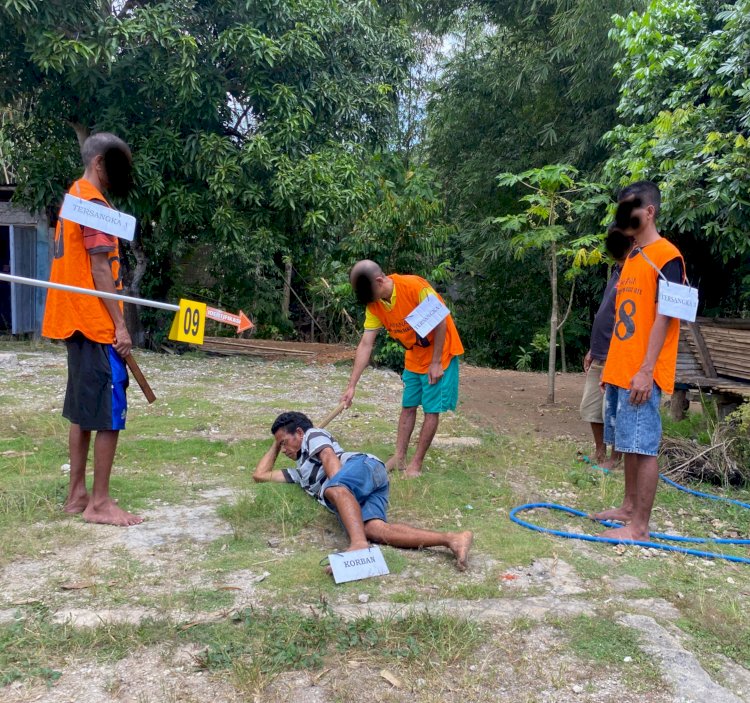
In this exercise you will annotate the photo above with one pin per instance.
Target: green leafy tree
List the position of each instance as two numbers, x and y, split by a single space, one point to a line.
685 123
523 85
553 207
252 125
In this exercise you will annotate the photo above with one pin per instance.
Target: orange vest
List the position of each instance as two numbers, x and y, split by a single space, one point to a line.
418 350
66 313
636 310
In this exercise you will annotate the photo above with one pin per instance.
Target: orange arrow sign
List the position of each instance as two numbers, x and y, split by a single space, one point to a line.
241 321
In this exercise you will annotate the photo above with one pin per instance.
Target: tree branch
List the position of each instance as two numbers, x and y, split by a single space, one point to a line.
129 5
570 305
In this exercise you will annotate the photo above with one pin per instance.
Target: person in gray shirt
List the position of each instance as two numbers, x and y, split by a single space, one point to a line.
592 402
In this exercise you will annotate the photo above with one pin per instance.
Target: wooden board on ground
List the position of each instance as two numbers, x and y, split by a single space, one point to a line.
274 349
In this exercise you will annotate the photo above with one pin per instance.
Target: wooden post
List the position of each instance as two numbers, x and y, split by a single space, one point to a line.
679 404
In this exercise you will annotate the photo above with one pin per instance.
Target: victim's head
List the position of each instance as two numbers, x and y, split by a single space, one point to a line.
289 430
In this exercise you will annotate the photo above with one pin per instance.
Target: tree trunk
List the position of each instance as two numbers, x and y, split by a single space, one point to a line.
133 288
552 328
563 364
82 132
312 322
287 290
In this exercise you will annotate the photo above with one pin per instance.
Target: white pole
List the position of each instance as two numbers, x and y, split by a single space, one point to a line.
87 291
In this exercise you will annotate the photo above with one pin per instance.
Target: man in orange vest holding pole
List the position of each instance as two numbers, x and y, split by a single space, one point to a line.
642 357
94 331
431 363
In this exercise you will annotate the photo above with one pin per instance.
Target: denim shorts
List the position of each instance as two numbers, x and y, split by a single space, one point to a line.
367 480
632 429
433 397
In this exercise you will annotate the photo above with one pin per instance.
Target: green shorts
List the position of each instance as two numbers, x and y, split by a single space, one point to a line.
435 398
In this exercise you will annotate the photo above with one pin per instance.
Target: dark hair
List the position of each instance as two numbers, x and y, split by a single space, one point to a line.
362 285
118 161
647 191
291 422
617 243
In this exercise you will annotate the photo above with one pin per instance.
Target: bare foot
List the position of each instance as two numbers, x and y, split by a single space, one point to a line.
413 470
109 513
612 463
460 546
615 514
76 505
395 462
626 534
600 457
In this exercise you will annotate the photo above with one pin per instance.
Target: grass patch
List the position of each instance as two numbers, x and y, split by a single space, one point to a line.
718 625
608 643
263 644
35 647
253 645
278 510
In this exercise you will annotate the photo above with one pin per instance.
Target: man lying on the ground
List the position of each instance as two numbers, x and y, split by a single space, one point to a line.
353 485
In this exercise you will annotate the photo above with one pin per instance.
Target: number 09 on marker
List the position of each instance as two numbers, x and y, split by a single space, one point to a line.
190 322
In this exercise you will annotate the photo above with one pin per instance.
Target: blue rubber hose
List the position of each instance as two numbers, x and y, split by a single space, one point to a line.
514 516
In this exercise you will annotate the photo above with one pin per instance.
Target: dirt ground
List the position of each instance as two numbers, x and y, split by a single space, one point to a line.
515 402
509 401
104 576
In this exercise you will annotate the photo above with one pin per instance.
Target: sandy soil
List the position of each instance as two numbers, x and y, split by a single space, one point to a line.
514 402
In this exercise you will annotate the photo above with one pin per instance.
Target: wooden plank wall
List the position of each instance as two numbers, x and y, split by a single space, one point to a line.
728 345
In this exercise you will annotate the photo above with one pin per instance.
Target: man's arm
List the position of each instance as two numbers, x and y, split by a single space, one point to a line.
361 359
102 275
264 470
331 463
643 381
438 342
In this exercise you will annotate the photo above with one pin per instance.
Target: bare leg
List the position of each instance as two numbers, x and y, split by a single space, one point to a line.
614 459
408 537
600 449
351 515
406 423
625 511
647 480
78 446
426 435
101 508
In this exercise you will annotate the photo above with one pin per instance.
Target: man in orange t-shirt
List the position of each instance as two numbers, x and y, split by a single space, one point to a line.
431 363
642 358
94 332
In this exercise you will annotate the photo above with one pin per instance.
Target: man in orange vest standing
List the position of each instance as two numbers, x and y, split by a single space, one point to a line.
431 363
94 331
642 357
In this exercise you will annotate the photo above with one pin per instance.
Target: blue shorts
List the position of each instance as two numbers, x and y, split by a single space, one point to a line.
436 397
367 480
632 429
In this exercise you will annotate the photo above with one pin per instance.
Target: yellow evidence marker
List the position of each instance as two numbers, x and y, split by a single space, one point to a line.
189 323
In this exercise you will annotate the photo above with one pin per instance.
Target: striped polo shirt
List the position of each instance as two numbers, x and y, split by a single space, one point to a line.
309 472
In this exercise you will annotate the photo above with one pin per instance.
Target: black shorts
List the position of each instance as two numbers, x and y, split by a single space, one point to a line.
95 398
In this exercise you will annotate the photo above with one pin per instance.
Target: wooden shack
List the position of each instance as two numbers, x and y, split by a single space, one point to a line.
24 251
714 359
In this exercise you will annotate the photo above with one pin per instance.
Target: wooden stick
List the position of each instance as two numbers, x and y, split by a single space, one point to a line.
138 375
331 415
